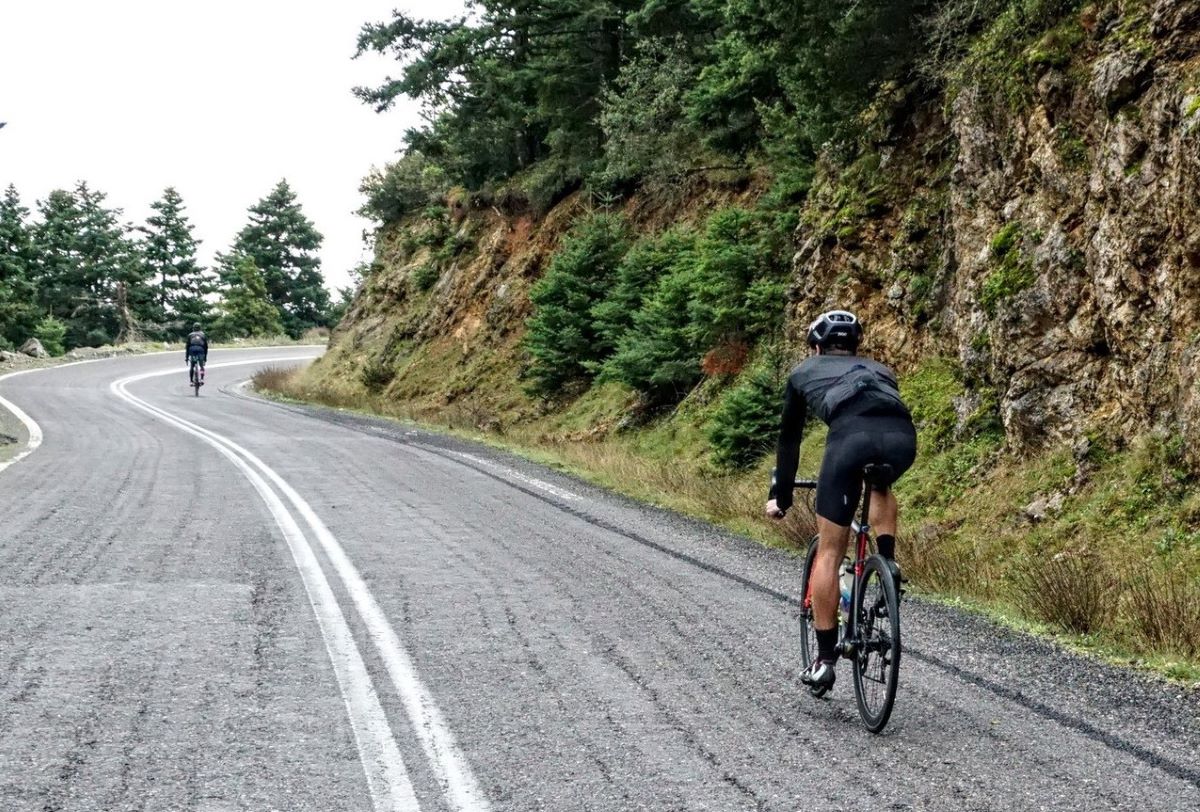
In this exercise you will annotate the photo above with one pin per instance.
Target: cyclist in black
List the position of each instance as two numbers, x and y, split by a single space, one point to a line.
868 423
196 347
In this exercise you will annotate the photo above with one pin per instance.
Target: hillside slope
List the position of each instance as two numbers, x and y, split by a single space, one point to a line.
1024 246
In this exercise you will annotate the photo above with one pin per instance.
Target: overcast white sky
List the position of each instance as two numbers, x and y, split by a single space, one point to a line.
219 99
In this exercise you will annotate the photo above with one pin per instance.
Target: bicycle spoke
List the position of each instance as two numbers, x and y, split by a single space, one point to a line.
878 650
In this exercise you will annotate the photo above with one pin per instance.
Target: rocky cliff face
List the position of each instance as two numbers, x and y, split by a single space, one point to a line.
1063 269
1042 228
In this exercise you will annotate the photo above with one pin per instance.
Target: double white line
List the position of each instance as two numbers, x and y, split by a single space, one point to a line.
387 779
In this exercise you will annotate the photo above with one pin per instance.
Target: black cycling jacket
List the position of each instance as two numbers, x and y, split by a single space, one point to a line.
197 343
807 388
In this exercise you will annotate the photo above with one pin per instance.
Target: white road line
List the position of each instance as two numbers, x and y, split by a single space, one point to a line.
387 779
35 431
446 758
31 426
511 473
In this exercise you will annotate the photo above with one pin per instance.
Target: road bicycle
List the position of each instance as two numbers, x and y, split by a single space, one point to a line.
195 376
870 627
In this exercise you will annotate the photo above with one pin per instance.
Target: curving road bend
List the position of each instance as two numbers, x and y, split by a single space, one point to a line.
220 603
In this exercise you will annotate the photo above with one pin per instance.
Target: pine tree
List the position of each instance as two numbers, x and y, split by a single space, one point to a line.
282 243
88 272
18 313
60 283
169 250
246 309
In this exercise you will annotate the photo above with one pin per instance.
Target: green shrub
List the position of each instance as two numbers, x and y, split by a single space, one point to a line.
562 339
1071 147
425 277
437 230
648 260
97 337
1012 271
930 392
548 181
52 333
646 134
726 286
736 250
408 185
377 373
746 422
660 355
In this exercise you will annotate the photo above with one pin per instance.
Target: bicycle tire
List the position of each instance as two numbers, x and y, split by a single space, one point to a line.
876 658
808 632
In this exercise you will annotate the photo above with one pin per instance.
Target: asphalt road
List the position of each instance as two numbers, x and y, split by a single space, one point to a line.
220 603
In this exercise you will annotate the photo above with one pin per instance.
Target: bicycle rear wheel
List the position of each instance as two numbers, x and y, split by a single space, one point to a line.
876 658
808 632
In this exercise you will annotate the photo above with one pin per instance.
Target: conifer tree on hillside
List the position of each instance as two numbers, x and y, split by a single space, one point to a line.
282 243
246 309
88 272
18 313
60 281
169 251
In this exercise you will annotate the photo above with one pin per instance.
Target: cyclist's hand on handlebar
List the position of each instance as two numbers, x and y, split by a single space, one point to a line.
773 511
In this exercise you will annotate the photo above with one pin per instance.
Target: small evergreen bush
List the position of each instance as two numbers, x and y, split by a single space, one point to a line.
659 356
648 261
425 277
746 422
563 342
52 333
727 285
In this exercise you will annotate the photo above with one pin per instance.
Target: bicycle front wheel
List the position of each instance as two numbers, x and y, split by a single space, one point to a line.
808 632
877 651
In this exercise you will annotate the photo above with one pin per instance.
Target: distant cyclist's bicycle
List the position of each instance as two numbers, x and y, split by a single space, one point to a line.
870 630
194 375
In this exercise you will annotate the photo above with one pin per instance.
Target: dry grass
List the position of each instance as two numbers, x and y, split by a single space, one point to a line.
690 487
938 562
1163 607
274 379
1076 593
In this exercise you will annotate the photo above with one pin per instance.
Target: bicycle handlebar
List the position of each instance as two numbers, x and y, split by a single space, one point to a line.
811 484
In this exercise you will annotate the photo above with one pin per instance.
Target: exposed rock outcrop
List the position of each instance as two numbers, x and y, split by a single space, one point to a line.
1068 277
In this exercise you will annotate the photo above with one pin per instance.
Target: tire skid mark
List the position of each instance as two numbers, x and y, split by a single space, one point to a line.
132 739
611 653
545 680
85 739
513 617
558 580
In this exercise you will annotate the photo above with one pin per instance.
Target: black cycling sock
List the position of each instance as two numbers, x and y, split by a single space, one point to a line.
827 644
886 545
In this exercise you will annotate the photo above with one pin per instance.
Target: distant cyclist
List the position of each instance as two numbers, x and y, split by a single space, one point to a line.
868 423
196 353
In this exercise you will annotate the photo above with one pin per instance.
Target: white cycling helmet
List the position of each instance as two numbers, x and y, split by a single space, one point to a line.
836 328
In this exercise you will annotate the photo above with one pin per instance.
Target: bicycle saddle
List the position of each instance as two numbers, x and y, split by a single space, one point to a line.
878 474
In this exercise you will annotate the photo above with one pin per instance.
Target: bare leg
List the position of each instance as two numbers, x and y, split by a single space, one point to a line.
885 512
825 592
